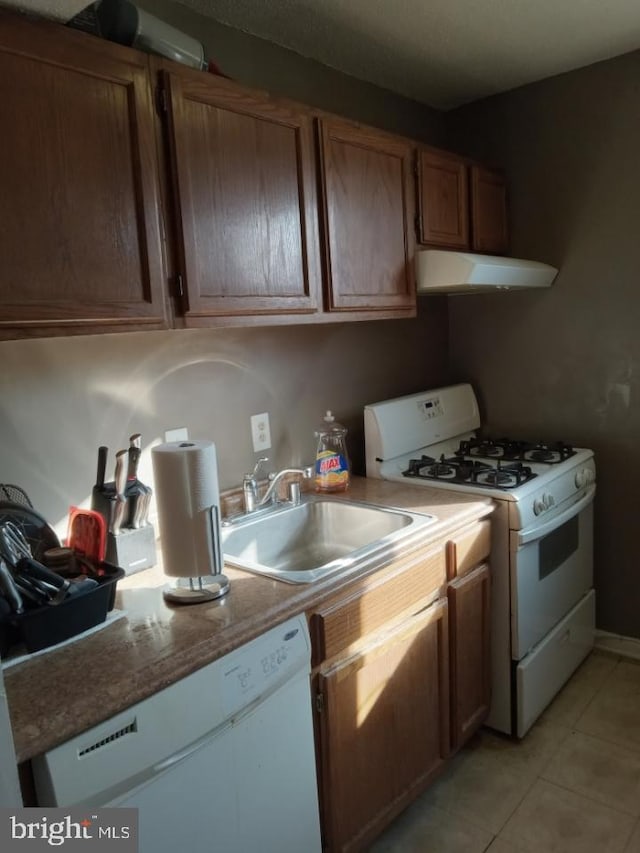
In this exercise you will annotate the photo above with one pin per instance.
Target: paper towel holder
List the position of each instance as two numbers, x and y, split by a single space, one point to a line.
199 588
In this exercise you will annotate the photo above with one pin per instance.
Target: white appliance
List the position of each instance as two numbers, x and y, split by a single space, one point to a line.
221 761
440 271
543 602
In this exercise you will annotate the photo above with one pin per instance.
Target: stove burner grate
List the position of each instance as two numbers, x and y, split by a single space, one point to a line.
516 451
511 475
459 470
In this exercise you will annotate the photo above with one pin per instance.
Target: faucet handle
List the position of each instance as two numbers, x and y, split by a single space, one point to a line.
294 492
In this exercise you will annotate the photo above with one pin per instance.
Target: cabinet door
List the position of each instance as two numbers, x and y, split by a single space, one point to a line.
368 219
80 245
444 200
489 211
244 178
383 728
469 653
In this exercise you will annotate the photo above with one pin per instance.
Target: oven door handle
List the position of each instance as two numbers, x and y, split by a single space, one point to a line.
539 531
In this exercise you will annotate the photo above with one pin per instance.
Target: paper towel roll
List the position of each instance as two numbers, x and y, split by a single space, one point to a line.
186 488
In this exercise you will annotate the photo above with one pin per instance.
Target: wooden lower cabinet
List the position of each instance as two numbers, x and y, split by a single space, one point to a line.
383 724
469 652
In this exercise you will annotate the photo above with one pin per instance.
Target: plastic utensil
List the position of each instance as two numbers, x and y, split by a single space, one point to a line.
87 533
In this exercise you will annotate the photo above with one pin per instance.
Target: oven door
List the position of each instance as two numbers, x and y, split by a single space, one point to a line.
551 569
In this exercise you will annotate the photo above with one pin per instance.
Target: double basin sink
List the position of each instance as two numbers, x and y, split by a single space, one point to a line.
316 538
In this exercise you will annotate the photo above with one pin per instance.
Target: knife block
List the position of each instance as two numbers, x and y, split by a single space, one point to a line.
133 549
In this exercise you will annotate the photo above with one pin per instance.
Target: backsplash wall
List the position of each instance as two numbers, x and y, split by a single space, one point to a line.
62 398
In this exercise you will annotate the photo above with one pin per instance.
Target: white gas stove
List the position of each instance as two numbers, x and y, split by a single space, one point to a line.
543 604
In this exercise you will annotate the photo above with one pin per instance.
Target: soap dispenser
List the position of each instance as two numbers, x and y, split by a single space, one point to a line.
332 460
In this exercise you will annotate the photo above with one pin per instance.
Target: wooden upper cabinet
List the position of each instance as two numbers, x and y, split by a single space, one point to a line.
80 245
443 200
489 211
462 204
368 215
244 180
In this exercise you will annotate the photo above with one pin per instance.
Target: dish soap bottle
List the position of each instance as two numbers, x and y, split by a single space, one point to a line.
332 460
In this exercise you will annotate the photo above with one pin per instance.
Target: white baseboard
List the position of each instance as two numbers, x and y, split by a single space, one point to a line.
628 647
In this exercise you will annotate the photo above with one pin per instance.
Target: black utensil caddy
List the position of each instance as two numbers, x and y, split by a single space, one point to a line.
45 626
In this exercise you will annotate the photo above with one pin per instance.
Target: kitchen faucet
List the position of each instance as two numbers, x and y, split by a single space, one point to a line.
250 486
270 496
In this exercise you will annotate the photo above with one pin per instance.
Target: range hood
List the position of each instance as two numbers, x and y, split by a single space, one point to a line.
440 271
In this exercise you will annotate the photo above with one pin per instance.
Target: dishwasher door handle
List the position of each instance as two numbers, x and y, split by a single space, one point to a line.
179 756
207 738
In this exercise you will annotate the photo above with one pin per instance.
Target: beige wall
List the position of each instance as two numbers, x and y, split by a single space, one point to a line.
259 63
565 363
62 398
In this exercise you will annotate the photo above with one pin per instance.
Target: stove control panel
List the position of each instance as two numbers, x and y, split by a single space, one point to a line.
543 503
584 477
431 407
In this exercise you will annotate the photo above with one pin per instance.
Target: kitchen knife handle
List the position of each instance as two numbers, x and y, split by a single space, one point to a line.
120 475
102 466
132 469
117 514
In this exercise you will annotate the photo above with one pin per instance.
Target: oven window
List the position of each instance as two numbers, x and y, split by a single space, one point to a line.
557 547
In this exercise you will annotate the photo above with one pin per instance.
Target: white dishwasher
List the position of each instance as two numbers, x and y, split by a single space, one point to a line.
221 761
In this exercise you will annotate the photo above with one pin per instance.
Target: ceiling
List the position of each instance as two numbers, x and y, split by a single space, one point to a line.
441 52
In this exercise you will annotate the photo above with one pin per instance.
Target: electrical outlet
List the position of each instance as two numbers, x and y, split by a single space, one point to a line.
260 432
179 434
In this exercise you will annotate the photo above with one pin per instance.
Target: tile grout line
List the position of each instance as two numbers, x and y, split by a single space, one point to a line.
633 748
595 695
634 828
590 798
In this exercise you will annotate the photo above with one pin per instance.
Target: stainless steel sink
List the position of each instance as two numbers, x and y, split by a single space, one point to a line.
316 538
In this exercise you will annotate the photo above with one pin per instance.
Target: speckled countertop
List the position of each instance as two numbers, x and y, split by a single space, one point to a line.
68 690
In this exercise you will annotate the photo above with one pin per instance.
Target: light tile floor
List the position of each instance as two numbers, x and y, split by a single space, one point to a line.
572 785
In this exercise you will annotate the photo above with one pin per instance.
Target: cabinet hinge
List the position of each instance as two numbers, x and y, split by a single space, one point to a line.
418 224
319 702
162 99
179 285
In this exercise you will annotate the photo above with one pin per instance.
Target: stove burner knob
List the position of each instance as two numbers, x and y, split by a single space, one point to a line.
548 501
581 478
539 506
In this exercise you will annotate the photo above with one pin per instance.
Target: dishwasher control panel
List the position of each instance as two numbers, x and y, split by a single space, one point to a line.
258 668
